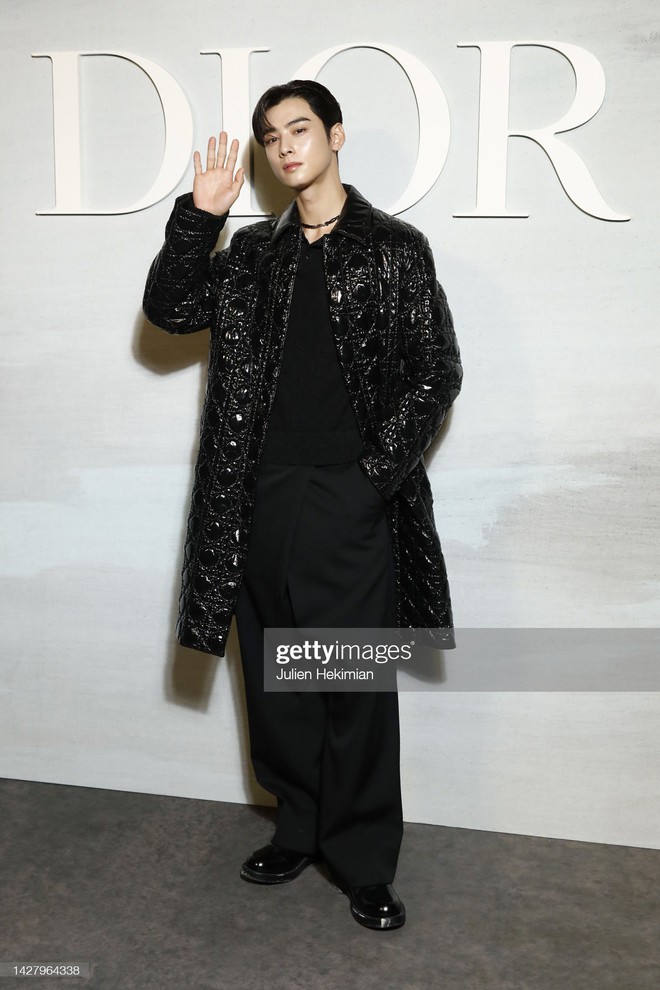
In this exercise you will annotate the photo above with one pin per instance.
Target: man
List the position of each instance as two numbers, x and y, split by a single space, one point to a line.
333 362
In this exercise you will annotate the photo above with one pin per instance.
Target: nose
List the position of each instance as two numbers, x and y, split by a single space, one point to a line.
285 146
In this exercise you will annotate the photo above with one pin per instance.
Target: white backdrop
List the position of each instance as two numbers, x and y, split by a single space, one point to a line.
545 479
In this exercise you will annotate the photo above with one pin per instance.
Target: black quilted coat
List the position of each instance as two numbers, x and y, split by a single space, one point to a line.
400 361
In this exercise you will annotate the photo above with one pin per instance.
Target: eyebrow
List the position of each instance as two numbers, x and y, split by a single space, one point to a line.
298 120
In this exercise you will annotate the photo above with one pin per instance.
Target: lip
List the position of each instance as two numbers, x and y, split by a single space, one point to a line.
291 166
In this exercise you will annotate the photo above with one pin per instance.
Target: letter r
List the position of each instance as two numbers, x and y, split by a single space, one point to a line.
494 129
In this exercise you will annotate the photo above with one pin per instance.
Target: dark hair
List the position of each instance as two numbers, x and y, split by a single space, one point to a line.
320 100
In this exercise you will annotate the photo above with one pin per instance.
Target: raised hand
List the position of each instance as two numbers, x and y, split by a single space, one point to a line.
217 189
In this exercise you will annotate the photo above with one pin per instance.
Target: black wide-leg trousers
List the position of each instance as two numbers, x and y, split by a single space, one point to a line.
320 554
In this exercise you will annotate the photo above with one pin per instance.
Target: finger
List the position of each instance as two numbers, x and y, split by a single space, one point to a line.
210 154
240 177
197 163
233 155
222 149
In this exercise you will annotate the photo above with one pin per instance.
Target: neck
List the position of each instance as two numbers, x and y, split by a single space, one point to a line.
320 202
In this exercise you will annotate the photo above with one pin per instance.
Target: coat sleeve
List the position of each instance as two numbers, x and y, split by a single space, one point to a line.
431 374
184 279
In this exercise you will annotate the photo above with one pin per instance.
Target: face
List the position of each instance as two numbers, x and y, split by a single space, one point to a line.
298 148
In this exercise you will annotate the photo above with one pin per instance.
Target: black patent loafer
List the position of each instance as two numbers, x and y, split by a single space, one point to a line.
377 906
274 864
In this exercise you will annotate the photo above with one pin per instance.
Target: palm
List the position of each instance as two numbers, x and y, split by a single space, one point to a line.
217 188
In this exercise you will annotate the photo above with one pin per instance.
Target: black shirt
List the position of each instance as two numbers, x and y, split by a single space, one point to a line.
312 419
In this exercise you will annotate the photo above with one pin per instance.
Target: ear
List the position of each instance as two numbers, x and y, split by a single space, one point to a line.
337 137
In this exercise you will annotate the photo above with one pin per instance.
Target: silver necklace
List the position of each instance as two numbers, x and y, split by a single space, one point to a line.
315 226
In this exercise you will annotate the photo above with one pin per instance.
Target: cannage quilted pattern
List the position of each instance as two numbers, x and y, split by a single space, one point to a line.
401 363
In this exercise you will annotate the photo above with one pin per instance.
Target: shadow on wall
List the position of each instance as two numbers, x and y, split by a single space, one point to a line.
189 675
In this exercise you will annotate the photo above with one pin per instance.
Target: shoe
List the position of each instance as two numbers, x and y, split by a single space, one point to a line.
274 864
377 906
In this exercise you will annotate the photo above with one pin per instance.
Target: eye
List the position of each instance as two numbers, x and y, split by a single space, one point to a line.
300 130
270 140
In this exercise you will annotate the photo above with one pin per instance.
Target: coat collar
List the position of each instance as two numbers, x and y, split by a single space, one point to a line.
354 220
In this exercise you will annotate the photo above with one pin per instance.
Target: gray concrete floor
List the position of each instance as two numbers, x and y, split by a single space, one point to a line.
146 889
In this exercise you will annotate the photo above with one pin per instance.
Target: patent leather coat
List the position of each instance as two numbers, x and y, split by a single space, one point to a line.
401 364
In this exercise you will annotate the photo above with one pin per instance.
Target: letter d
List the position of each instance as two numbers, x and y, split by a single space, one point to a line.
66 132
